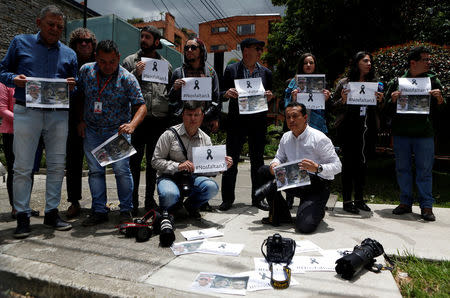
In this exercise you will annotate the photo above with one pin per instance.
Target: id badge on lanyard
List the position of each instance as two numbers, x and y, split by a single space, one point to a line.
362 110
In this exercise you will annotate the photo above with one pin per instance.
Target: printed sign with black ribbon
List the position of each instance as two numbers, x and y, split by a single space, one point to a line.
209 159
251 96
362 93
155 70
415 96
197 88
310 90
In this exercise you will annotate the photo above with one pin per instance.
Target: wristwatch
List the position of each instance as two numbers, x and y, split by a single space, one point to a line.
319 169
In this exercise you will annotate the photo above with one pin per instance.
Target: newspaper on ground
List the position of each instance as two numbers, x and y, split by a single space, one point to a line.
305 246
415 97
261 265
187 247
310 90
220 283
289 175
209 159
46 93
362 93
113 149
197 88
201 234
313 263
251 98
261 281
155 70
220 248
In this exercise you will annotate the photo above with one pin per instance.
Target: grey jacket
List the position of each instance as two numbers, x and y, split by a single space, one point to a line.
155 94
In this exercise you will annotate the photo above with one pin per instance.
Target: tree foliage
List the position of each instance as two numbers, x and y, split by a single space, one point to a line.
134 20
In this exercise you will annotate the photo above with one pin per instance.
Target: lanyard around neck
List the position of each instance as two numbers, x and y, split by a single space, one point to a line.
100 90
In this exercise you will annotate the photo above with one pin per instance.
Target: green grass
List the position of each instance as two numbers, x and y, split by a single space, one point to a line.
424 278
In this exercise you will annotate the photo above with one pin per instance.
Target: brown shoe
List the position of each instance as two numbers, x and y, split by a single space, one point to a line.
74 210
427 214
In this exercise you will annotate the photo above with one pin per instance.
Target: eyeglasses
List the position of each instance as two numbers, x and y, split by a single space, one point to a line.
86 40
192 47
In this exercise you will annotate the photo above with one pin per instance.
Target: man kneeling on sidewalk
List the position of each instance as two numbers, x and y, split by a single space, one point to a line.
318 158
171 158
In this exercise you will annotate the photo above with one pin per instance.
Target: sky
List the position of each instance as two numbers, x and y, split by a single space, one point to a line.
188 13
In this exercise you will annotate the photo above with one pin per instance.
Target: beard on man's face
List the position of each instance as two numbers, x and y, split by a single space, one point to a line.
146 48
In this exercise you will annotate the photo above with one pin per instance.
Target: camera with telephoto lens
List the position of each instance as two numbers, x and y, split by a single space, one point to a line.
363 256
139 229
166 233
184 182
262 192
279 249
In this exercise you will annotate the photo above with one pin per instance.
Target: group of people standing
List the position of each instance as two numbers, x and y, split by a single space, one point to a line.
107 99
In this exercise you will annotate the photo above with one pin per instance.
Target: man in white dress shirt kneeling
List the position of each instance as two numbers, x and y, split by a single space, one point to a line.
317 156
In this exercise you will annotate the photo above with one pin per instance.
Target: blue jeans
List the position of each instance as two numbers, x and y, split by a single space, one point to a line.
203 190
423 150
29 125
97 180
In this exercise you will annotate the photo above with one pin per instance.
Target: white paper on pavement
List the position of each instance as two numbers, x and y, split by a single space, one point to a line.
220 283
187 247
201 234
251 98
289 175
305 246
220 248
46 93
335 254
362 93
113 149
313 263
208 159
415 97
261 265
261 281
155 70
197 88
310 90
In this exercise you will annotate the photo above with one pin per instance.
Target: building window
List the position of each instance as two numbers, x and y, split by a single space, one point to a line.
246 29
178 40
219 47
219 29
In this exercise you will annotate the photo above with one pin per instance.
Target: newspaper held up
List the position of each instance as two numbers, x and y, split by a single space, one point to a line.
113 149
362 93
46 93
251 98
310 92
415 96
289 175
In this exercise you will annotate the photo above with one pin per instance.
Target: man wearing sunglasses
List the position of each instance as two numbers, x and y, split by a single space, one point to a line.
83 42
157 120
241 127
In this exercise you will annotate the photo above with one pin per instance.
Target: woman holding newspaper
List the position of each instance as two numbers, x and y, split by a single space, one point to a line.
356 100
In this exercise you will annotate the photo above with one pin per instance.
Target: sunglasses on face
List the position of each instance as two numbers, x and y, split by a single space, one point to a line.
192 47
86 40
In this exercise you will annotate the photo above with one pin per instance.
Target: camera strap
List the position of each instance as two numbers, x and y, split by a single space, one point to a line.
279 284
179 141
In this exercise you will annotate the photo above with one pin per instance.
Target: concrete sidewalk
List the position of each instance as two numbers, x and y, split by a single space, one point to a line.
98 261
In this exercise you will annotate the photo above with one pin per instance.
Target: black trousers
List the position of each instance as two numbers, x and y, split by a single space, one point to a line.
74 161
313 199
144 140
8 139
353 170
239 129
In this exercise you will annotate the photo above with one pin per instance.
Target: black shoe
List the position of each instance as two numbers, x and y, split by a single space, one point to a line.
225 206
23 226
135 212
73 210
95 218
125 217
206 207
262 205
194 213
402 209
361 205
53 220
351 208
427 214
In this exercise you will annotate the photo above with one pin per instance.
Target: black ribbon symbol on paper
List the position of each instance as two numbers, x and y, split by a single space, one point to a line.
201 233
209 154
310 97
196 85
264 276
362 89
222 246
155 66
414 82
313 260
248 84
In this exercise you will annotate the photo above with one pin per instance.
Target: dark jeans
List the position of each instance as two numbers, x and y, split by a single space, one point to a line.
144 140
239 129
313 199
74 162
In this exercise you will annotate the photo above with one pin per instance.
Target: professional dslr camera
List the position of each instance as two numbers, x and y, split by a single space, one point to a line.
140 228
279 249
362 257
